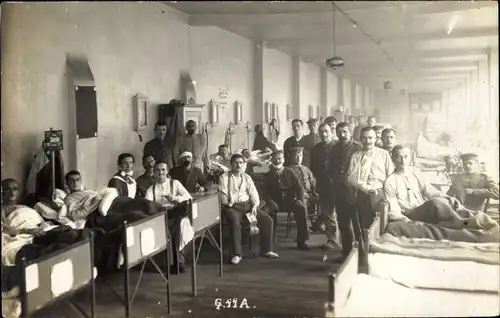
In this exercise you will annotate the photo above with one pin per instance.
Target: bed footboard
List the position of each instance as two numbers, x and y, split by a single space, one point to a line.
341 282
57 276
370 235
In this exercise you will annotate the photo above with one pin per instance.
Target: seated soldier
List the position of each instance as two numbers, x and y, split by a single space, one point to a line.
147 179
378 131
305 176
472 188
412 198
283 192
172 195
191 177
222 156
238 197
122 181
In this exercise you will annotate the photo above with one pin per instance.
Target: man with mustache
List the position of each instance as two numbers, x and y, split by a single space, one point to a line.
191 177
147 179
342 193
472 188
283 192
367 170
196 144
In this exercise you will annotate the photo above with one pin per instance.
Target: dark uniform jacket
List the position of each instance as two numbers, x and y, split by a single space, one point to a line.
483 188
320 155
292 142
190 178
283 187
143 183
338 164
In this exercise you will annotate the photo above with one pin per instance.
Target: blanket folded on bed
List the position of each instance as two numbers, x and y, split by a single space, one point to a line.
486 253
481 228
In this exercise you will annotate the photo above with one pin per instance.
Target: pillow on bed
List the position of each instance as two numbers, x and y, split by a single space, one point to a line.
108 195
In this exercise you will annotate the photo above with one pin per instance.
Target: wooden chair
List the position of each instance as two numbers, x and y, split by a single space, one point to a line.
310 216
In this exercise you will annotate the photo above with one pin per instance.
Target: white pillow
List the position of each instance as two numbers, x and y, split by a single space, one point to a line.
108 195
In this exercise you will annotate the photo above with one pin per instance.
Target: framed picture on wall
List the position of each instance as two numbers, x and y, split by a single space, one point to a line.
275 111
214 112
311 111
268 110
238 112
318 111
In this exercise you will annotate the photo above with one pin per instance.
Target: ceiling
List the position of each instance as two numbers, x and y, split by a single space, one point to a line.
409 44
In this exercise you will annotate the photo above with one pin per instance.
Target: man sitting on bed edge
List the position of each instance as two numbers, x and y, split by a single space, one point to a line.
412 198
172 195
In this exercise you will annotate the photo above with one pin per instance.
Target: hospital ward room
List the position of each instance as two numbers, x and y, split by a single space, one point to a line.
250 159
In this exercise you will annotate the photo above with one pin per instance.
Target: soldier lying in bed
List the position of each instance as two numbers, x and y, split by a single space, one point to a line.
412 198
472 187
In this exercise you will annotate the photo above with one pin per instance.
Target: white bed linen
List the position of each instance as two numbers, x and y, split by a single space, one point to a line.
374 297
428 273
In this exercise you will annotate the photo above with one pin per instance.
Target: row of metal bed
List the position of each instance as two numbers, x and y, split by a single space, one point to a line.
61 274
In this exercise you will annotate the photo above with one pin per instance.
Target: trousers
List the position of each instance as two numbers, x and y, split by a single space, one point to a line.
234 216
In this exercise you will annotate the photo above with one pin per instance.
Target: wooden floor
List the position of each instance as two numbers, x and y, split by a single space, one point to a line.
295 285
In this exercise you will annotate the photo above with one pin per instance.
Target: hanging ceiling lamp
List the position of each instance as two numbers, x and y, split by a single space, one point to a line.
334 62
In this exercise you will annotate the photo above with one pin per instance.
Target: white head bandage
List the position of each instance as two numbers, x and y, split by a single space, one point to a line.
185 154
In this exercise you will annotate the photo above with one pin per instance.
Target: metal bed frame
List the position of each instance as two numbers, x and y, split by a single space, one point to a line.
135 253
40 295
205 213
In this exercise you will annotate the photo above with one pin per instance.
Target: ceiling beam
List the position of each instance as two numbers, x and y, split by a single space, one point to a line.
325 16
326 39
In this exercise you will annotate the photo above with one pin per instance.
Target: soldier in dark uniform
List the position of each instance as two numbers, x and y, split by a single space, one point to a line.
283 192
158 147
472 187
320 155
297 140
313 131
147 179
342 194
304 175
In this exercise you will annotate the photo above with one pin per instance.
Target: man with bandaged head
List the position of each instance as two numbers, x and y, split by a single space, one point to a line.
191 177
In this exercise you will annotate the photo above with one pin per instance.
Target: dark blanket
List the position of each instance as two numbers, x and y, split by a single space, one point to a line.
437 232
109 228
54 240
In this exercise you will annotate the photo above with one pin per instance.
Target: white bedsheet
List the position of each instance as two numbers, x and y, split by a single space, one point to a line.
428 273
375 297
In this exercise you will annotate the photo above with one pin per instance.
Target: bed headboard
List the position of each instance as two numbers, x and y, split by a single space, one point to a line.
144 238
56 275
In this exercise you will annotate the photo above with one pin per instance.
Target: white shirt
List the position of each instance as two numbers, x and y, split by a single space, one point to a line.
242 188
406 191
369 169
158 191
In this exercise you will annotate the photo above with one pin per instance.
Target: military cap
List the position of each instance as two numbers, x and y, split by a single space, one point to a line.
312 121
330 119
468 156
277 152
